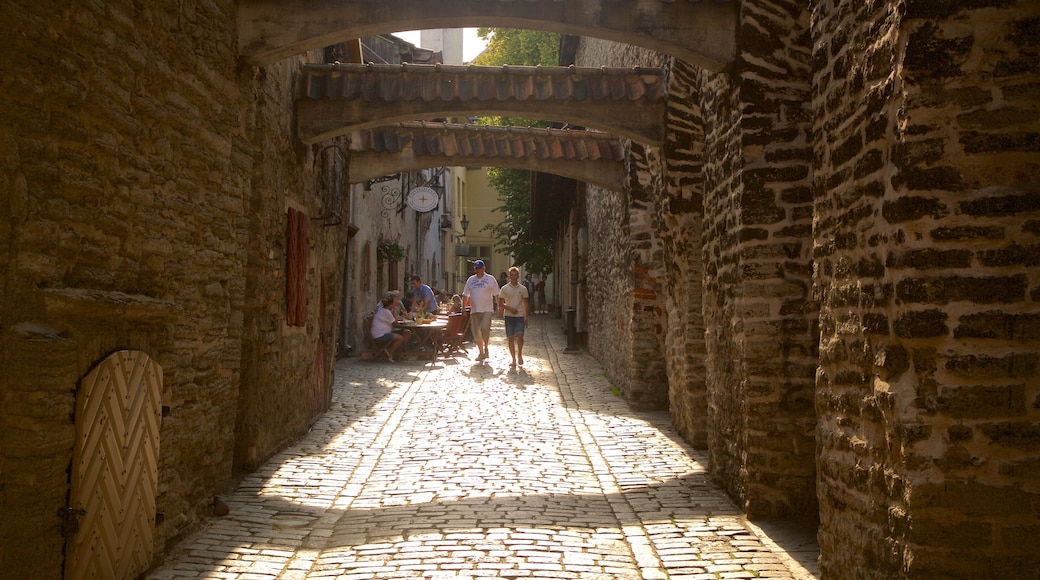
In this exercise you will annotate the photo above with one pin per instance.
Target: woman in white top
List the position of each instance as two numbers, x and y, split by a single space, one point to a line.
383 325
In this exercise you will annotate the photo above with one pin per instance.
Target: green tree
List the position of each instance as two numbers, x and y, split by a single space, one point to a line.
513 234
519 47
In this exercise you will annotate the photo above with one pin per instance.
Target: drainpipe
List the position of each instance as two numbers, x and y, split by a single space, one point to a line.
572 291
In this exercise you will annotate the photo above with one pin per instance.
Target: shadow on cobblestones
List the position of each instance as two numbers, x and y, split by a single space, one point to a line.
465 470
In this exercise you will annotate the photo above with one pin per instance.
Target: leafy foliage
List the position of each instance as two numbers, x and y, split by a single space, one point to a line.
519 47
513 234
390 251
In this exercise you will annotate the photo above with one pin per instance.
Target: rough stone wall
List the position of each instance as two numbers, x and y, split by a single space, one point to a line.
294 355
725 372
927 244
681 216
758 307
609 275
138 169
624 240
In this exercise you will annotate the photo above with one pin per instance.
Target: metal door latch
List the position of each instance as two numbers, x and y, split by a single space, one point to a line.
70 521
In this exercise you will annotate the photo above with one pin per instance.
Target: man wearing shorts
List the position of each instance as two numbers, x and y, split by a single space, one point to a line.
480 293
514 299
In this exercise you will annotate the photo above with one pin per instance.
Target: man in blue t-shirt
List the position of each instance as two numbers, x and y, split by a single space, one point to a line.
422 297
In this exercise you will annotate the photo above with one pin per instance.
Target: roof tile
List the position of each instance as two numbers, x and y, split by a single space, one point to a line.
428 138
411 82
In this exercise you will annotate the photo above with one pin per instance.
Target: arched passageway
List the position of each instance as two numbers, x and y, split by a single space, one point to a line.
151 214
702 33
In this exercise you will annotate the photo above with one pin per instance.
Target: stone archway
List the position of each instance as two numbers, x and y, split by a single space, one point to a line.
702 33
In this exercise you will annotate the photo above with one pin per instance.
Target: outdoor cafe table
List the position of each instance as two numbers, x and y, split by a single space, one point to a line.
428 337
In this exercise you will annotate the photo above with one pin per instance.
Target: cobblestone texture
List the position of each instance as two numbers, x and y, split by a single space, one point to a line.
455 469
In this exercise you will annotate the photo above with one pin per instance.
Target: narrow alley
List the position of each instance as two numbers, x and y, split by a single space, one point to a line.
456 469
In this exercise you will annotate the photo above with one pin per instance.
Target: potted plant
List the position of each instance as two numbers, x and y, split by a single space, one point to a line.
390 251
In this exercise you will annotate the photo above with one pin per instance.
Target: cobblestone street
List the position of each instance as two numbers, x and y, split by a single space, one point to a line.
456 469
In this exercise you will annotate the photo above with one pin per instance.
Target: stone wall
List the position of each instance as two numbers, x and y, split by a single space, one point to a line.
608 271
927 248
680 211
724 369
144 180
626 259
759 313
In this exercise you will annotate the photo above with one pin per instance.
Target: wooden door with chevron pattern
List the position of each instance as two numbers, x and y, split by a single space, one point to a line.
115 468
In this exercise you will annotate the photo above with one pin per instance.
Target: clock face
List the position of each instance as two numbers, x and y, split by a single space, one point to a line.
423 199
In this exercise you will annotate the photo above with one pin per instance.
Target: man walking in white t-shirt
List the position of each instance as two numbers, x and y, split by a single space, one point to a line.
481 292
514 300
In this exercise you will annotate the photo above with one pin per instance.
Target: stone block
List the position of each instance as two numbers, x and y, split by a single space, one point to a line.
1021 435
910 208
891 362
924 324
967 233
959 433
1026 469
971 499
930 56
1003 203
996 324
983 401
980 290
869 163
975 142
1013 255
930 258
946 178
1015 365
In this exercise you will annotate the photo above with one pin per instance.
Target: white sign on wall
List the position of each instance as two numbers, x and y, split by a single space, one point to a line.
423 199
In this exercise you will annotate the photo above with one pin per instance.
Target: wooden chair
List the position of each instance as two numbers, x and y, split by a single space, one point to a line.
375 350
455 334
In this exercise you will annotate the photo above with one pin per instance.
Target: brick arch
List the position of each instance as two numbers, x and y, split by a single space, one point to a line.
344 98
701 33
595 158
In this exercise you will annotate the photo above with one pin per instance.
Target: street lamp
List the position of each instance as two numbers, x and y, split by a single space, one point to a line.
464 222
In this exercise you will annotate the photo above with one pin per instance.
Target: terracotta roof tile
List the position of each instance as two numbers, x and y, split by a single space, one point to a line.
478 141
411 82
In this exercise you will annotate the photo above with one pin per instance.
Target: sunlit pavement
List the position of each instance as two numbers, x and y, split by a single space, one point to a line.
458 469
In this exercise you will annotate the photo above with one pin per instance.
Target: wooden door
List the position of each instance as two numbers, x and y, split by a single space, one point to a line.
115 468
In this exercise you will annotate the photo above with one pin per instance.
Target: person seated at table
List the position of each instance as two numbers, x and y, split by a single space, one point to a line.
424 300
383 325
398 310
456 304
